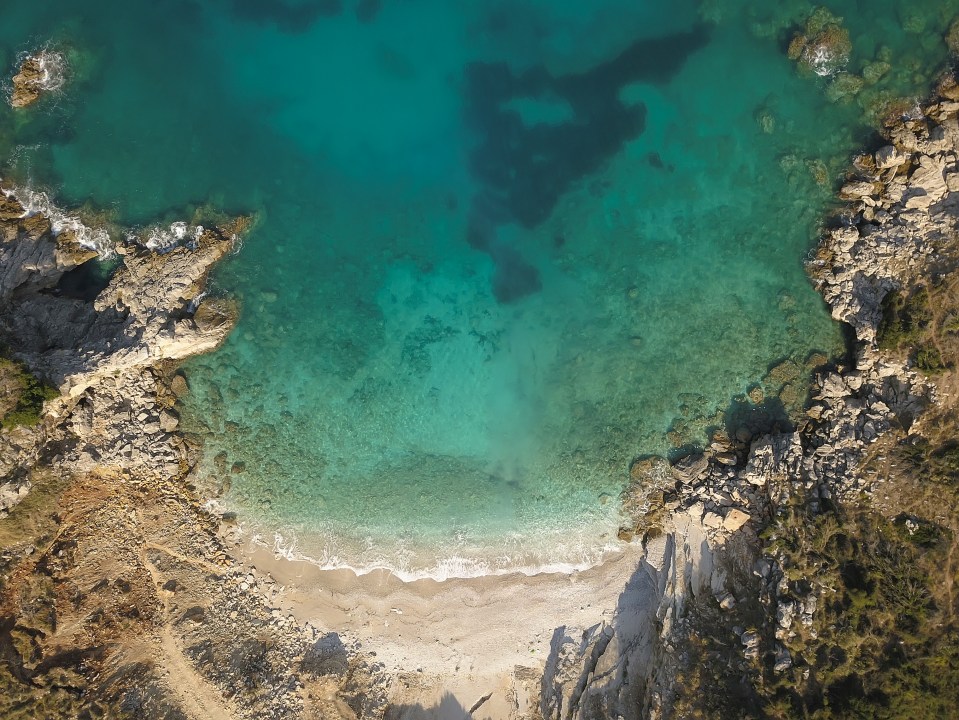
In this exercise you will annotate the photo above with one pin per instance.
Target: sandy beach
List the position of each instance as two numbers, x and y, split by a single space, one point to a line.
451 644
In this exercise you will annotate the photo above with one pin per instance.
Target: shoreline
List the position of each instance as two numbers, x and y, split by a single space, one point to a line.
447 645
242 530
320 597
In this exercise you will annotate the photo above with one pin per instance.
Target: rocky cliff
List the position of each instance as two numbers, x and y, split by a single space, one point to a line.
116 593
742 604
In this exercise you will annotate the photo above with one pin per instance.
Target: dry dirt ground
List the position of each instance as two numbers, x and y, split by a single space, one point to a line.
116 599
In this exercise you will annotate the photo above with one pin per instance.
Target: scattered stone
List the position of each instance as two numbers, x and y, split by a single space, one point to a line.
650 470
783 660
712 520
927 184
179 387
734 520
889 156
169 421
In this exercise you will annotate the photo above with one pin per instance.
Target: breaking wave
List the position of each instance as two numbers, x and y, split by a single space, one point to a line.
53 67
38 202
403 562
163 239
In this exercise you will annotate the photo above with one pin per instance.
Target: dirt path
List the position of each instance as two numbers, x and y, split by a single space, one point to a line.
196 562
198 698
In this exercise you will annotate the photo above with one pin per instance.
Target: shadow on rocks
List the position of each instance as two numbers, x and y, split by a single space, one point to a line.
327 656
604 671
448 708
745 420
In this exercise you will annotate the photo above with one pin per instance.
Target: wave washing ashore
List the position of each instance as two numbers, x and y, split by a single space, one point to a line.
406 566
95 239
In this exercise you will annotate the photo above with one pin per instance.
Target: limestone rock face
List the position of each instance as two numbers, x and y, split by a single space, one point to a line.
145 315
899 222
102 354
889 156
928 184
609 670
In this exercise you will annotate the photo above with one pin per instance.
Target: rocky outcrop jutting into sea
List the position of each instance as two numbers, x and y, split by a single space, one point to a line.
156 615
150 312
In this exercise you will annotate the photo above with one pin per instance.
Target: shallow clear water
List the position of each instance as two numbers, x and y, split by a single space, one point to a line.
501 248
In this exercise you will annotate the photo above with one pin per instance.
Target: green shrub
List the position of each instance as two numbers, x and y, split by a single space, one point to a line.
904 319
929 359
29 393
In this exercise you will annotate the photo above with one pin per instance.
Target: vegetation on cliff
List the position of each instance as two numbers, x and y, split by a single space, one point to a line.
22 395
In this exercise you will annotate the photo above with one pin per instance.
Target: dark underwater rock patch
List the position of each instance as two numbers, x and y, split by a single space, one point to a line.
527 168
289 17
367 10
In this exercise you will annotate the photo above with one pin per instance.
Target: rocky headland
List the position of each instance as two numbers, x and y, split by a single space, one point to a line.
117 594
774 567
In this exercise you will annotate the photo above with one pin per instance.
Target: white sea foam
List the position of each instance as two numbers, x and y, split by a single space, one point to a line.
156 238
53 68
285 545
161 239
38 202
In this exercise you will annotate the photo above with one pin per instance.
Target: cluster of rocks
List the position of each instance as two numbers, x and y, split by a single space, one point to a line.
903 208
903 204
821 46
103 354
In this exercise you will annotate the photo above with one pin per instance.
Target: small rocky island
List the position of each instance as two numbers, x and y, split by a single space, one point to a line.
780 571
39 73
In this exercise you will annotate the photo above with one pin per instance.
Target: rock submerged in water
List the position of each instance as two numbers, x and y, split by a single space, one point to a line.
39 73
823 46
952 37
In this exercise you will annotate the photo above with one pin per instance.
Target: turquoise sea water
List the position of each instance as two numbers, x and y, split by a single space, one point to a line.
501 249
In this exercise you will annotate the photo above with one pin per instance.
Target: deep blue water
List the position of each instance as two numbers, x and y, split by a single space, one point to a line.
501 248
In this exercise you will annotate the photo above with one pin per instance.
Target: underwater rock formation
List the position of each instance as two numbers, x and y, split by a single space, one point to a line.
822 46
527 166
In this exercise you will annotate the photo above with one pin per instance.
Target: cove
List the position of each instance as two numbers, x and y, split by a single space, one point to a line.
500 249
